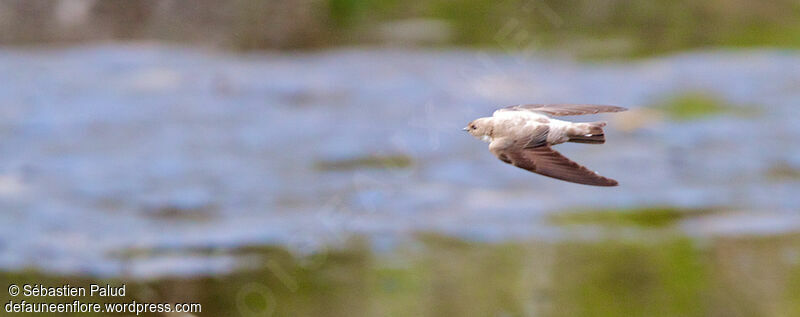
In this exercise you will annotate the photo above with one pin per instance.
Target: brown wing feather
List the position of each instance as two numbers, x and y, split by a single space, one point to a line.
565 109
536 156
548 162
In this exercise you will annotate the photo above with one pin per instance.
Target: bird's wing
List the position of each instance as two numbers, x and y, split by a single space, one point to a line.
538 157
564 109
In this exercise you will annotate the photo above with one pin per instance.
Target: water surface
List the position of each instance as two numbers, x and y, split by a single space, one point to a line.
112 149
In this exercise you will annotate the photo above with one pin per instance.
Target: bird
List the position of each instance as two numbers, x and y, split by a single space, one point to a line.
523 136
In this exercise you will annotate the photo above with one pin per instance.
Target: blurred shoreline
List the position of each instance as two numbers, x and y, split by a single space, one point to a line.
593 29
617 275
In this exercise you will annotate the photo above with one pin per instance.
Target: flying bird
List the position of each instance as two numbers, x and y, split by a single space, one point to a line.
523 136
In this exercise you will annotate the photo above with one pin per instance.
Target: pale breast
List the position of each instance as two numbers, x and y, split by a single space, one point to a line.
517 124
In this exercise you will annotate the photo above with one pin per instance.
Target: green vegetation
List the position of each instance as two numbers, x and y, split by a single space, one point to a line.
783 171
445 276
619 278
585 28
373 161
652 217
643 28
692 105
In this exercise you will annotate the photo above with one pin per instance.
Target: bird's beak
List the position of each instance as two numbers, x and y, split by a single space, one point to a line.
465 129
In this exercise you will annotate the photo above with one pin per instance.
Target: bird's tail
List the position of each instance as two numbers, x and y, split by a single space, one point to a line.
589 132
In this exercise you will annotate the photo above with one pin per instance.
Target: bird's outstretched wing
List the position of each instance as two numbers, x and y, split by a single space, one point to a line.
564 109
538 157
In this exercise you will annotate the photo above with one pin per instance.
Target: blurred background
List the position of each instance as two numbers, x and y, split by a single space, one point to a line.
305 157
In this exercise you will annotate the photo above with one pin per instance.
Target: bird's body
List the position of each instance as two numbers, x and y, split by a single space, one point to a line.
518 124
523 135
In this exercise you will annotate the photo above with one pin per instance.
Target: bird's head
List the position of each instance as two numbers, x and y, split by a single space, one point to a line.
480 128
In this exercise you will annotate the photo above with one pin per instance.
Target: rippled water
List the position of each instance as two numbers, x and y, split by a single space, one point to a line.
112 148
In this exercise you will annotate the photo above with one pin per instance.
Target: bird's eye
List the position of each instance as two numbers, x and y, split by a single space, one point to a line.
472 127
